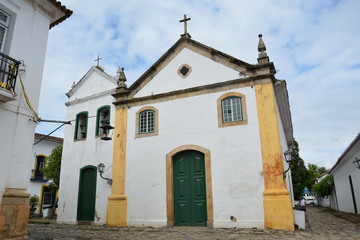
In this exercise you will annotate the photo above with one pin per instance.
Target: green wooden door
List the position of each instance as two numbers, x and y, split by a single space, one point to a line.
87 194
189 189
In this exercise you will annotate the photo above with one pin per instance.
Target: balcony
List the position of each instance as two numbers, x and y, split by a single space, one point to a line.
37 176
9 68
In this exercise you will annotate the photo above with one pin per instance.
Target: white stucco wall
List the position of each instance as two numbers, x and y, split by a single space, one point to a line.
236 164
341 175
28 43
93 82
284 147
204 71
91 151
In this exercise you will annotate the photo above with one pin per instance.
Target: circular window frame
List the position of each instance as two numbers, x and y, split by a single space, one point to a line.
188 72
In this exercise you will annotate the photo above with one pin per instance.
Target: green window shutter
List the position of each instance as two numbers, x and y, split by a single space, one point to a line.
81 125
102 117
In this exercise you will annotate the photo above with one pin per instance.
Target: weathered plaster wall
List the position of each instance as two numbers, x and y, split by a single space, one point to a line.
203 71
235 160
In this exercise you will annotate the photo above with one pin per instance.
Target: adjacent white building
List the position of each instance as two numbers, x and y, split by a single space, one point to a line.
38 183
198 141
347 178
24 28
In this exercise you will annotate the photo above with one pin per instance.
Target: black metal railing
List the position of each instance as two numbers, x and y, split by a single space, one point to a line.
9 68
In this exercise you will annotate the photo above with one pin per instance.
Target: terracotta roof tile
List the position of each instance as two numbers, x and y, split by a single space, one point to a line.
49 138
61 7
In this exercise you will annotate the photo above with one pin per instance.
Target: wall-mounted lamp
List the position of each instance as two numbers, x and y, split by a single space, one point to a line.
101 169
22 69
51 182
356 163
288 159
106 127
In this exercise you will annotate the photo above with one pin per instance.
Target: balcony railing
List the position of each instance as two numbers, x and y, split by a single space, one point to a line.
36 175
9 68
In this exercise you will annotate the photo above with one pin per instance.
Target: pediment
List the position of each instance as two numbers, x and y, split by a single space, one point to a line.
93 82
188 64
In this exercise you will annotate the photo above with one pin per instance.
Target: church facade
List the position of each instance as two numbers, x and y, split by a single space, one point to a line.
198 141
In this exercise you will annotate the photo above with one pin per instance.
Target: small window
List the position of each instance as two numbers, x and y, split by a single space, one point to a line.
231 109
102 119
4 24
147 122
81 126
184 70
39 164
47 199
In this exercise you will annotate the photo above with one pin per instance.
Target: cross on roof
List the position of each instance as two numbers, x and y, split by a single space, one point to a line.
185 23
97 60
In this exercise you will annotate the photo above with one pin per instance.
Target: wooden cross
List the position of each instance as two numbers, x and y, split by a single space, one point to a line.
97 60
185 24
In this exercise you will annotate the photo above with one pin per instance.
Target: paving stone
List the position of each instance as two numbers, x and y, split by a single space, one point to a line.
322 224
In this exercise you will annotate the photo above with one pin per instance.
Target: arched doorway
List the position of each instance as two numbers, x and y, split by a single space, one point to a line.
189 187
87 194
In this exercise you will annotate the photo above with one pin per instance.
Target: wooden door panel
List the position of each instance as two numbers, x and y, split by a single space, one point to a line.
87 194
189 189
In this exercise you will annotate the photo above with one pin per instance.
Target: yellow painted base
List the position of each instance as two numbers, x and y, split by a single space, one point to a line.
278 210
117 211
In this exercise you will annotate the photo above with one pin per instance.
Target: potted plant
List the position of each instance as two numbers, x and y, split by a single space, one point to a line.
34 202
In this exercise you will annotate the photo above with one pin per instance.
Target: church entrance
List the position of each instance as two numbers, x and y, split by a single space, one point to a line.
189 189
87 194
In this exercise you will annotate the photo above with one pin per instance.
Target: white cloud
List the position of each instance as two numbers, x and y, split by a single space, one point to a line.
314 45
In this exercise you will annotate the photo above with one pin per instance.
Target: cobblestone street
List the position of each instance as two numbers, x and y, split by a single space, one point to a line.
322 223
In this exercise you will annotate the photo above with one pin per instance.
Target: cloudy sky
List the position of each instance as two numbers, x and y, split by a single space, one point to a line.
315 46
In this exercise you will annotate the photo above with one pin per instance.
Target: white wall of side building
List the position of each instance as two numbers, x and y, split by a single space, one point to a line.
285 147
29 34
80 153
341 174
236 162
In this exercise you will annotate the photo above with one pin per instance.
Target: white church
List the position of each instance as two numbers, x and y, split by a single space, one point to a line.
198 140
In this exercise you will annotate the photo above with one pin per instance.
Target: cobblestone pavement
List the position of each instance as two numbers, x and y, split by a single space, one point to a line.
322 223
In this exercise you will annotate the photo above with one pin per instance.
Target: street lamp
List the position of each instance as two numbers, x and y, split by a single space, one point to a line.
288 159
356 163
106 127
101 169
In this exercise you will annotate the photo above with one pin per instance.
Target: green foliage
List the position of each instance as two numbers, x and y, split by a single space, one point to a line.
100 68
314 173
34 201
325 186
53 165
299 173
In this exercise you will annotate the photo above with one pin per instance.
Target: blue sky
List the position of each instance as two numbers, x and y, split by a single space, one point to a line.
315 46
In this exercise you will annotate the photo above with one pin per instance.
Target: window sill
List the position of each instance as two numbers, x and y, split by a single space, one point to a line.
141 135
79 139
230 124
38 180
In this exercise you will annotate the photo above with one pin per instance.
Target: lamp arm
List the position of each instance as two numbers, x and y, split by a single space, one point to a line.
109 180
284 172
